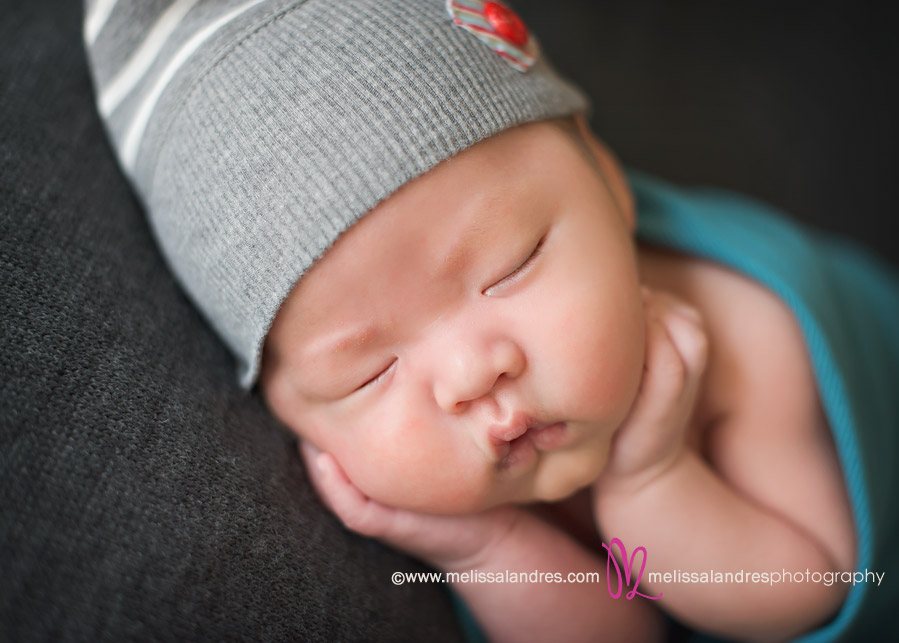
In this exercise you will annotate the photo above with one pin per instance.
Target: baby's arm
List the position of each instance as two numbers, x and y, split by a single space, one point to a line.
658 493
557 611
492 542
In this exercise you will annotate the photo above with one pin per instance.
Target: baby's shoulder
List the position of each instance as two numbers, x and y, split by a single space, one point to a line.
758 364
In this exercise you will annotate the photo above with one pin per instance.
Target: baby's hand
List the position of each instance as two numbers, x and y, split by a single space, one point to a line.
446 542
652 436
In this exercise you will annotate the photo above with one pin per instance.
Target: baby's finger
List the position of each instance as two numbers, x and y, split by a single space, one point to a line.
689 339
644 432
309 452
684 326
357 511
665 302
663 378
310 455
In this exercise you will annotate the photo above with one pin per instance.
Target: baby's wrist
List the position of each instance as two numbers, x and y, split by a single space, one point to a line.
629 486
502 528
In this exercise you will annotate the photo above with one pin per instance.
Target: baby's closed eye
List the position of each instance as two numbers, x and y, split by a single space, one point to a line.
521 270
379 376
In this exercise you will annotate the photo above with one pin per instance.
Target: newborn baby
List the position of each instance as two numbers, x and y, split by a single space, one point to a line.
492 334
501 352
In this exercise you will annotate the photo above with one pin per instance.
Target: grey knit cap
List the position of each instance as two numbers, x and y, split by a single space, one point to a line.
256 132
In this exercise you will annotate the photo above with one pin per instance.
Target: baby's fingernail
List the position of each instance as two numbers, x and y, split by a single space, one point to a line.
688 311
320 463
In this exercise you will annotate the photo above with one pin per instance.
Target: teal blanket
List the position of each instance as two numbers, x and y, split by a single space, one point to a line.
847 305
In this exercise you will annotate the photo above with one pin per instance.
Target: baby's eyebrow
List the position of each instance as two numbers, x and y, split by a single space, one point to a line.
343 341
461 252
456 258
449 262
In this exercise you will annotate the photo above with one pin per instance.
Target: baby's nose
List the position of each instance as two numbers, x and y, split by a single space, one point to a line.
471 368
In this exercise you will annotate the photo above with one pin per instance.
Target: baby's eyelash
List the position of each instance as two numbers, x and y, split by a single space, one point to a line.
522 267
378 377
527 262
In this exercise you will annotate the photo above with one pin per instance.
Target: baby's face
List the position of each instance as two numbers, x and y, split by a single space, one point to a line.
476 339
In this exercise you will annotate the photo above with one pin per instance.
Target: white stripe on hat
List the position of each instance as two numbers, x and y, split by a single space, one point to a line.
135 133
144 56
97 15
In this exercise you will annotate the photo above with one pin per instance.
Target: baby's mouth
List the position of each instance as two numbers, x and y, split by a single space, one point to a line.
520 441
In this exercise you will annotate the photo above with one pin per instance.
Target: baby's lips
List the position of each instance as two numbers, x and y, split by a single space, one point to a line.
544 435
517 426
549 437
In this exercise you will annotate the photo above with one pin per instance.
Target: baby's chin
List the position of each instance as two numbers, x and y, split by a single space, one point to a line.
533 491
460 507
557 492
552 478
446 500
562 476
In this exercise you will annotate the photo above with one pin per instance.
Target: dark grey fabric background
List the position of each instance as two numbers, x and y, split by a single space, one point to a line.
144 497
792 102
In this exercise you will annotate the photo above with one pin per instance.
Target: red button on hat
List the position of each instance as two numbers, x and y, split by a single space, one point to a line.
498 27
506 22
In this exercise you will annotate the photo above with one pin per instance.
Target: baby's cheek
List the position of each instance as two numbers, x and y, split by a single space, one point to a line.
599 377
609 361
411 472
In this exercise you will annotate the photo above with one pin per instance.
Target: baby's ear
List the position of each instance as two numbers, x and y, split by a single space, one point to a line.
612 171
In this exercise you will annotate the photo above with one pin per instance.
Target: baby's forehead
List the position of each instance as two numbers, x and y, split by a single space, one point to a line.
486 192
470 218
493 170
